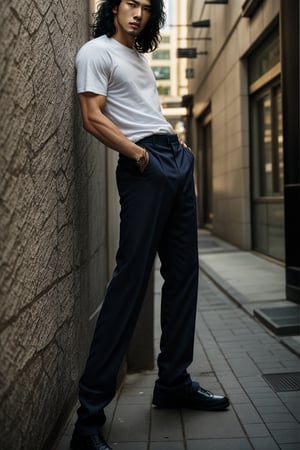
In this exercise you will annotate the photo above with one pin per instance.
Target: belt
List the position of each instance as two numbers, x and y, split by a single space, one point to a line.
160 139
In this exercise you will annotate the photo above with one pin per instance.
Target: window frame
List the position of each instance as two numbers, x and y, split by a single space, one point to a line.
269 89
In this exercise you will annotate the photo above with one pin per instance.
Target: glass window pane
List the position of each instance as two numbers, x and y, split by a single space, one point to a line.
268 229
165 39
266 57
161 72
276 230
260 228
265 146
161 54
164 90
279 146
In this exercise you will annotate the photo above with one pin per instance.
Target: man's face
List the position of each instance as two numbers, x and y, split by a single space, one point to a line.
131 16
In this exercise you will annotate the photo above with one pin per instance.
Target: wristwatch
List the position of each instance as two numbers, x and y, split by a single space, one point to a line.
142 159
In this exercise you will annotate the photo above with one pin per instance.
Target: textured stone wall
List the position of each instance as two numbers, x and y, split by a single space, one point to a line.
53 234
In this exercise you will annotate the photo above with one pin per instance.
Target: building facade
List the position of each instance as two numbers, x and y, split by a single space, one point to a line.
237 125
168 70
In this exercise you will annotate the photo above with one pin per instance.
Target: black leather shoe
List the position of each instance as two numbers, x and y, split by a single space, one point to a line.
90 442
193 398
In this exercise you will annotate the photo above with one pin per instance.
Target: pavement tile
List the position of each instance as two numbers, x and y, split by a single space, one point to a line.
223 334
285 355
231 355
140 379
241 332
283 426
263 357
131 394
269 409
289 446
276 417
258 390
266 401
219 444
270 366
129 445
130 424
220 367
237 397
247 414
292 367
257 430
264 395
205 425
266 339
287 436
256 381
229 382
137 399
216 358
165 425
252 341
255 328
131 389
292 397
264 443
244 367
200 360
208 381
232 347
167 446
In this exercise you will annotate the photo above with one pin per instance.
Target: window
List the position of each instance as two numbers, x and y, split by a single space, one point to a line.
165 39
204 169
164 90
161 72
268 142
161 54
267 160
264 58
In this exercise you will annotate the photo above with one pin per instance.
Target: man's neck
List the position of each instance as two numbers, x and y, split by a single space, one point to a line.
128 41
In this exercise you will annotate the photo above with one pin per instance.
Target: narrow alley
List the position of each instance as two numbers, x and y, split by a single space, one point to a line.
234 354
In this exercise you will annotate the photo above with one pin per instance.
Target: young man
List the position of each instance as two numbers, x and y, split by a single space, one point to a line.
120 106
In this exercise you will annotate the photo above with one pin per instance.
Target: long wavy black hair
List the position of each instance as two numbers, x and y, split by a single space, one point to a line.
147 40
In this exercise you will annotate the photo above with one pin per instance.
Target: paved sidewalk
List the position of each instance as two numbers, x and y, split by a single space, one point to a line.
234 354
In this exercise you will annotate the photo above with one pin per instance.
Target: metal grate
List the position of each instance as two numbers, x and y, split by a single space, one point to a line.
282 320
283 382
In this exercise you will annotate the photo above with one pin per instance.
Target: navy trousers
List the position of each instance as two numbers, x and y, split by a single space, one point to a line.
158 215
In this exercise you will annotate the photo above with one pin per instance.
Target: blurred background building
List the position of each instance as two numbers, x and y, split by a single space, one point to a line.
169 71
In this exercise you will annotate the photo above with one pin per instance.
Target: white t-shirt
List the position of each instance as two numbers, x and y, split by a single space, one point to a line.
107 67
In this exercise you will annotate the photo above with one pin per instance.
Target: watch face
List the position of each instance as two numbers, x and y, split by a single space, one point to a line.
141 160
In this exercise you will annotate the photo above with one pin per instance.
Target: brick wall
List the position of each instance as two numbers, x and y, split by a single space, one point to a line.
53 233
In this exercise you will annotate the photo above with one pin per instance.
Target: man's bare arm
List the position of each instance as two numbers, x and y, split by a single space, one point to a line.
96 123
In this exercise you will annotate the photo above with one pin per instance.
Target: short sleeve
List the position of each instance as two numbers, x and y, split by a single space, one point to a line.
92 67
